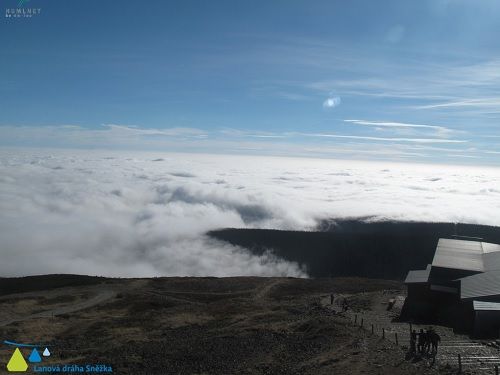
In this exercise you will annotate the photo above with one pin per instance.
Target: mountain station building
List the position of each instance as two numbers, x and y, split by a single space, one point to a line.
461 288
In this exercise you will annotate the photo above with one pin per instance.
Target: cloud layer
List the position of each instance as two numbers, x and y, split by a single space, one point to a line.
145 214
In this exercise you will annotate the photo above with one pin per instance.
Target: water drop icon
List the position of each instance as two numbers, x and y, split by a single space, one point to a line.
46 352
34 356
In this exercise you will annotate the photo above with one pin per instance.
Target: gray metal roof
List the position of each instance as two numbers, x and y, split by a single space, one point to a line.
491 261
480 285
466 255
459 254
490 247
418 276
488 306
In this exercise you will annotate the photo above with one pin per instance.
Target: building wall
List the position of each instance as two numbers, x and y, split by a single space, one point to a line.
486 324
417 306
445 275
428 306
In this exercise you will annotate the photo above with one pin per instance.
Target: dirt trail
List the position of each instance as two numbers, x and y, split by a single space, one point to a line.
99 298
264 291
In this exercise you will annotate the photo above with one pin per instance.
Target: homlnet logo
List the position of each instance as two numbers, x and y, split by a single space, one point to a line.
22 11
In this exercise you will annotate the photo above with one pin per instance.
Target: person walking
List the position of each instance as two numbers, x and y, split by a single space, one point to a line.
434 338
345 305
427 342
331 298
413 341
421 341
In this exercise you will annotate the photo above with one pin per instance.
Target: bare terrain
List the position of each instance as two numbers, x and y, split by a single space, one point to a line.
243 325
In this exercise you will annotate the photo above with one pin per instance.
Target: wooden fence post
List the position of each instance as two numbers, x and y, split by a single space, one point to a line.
383 333
496 369
396 336
459 364
355 318
372 329
362 322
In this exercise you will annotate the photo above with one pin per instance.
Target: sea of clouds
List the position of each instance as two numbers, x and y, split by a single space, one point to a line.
147 214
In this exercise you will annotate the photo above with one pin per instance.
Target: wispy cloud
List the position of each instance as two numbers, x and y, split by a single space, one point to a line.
240 133
491 104
385 139
268 135
464 156
465 85
168 132
441 129
293 96
354 145
229 132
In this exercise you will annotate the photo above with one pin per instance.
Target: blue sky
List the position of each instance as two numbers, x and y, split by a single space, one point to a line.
393 80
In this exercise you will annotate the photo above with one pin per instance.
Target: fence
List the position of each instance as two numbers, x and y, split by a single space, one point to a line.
465 355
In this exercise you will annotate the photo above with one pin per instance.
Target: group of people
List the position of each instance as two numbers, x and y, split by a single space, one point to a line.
424 342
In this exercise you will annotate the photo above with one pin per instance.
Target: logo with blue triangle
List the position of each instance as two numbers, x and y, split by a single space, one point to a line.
17 361
34 356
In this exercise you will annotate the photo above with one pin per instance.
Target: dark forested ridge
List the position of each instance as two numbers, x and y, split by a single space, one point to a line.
357 248
10 285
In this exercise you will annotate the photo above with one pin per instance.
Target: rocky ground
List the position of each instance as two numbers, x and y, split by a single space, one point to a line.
207 326
371 310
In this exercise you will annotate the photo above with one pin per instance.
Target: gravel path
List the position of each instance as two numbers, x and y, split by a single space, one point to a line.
371 309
